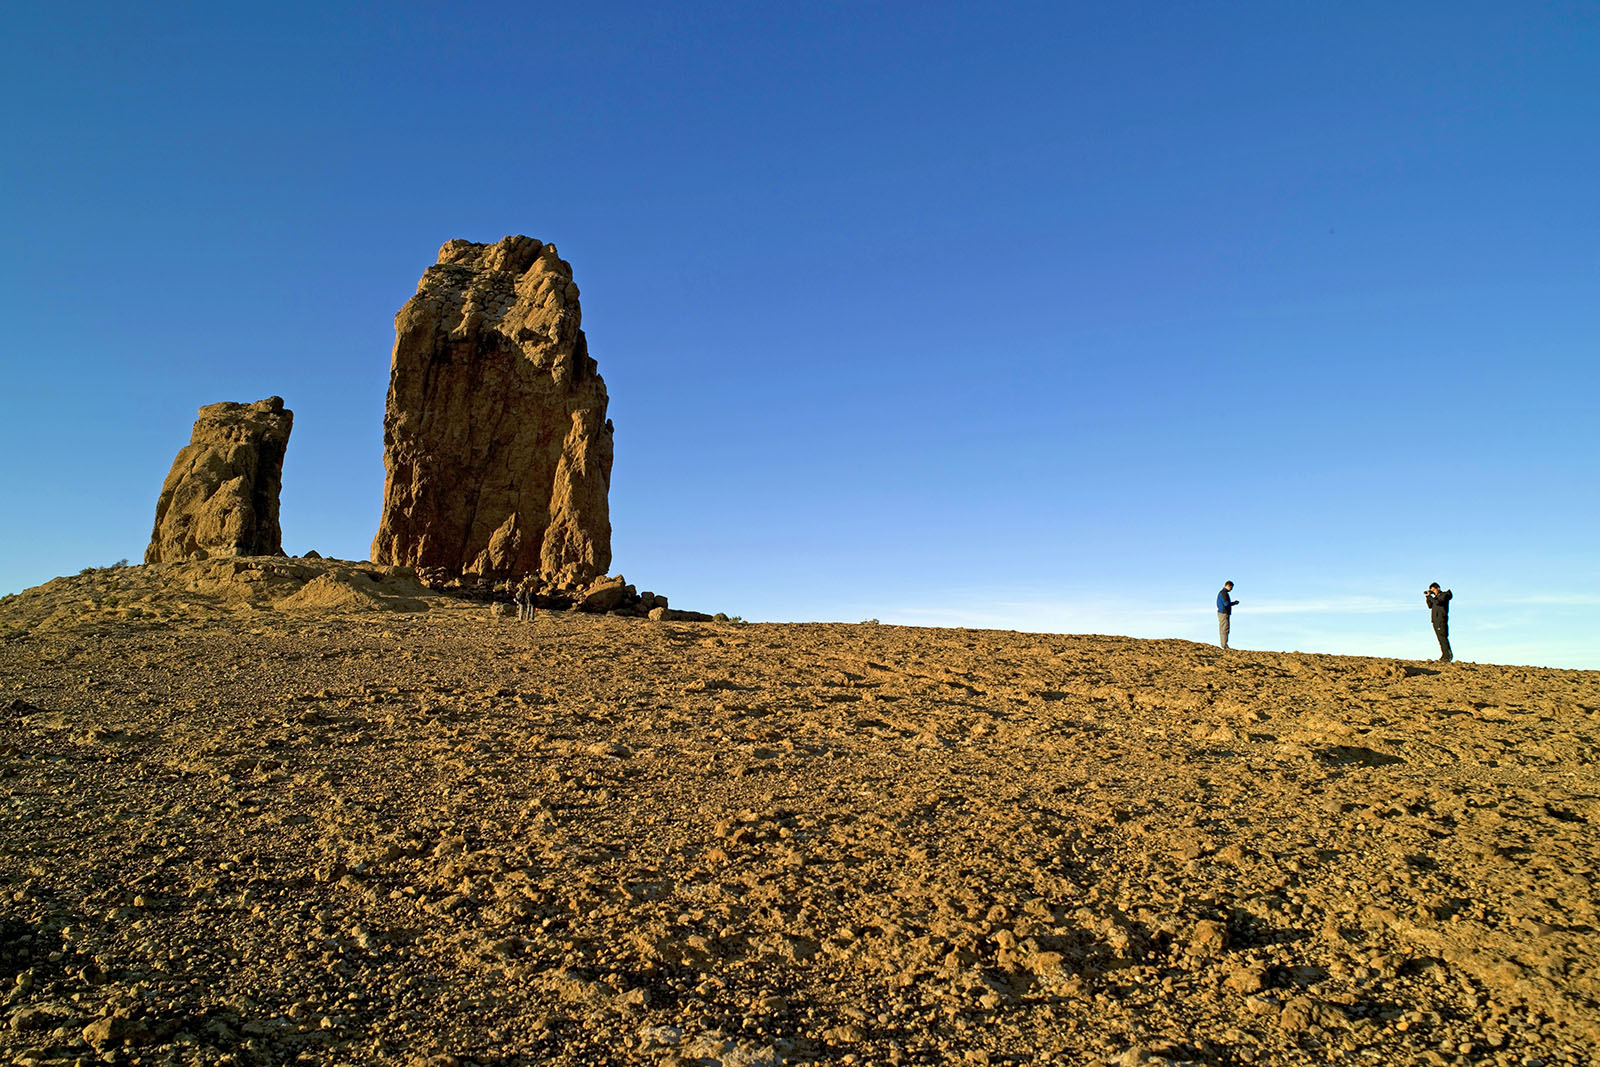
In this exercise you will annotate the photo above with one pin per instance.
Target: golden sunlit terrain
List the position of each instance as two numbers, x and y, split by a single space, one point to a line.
262 815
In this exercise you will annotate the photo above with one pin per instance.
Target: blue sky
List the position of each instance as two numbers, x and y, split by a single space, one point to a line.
1050 317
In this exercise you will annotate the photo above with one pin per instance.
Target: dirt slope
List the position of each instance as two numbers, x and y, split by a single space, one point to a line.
274 836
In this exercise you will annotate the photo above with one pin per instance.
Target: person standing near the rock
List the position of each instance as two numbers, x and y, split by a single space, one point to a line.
1224 612
527 605
1439 606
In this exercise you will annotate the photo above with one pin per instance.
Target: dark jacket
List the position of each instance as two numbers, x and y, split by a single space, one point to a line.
1439 603
1224 605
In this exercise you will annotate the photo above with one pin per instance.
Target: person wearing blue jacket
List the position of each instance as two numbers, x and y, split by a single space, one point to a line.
1224 612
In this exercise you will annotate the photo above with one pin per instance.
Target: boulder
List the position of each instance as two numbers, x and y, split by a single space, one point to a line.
497 449
113 1031
605 594
674 615
221 496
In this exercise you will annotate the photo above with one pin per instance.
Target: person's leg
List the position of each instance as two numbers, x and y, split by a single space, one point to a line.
1224 622
1442 631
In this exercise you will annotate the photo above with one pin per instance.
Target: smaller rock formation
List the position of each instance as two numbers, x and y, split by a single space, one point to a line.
221 496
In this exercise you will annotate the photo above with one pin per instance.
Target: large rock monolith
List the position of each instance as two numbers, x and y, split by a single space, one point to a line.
221 496
496 445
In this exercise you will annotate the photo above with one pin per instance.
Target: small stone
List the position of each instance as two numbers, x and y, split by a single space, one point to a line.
33 1018
114 1030
1210 938
1250 979
660 1036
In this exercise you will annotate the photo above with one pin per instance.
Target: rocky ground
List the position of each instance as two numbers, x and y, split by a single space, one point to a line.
393 829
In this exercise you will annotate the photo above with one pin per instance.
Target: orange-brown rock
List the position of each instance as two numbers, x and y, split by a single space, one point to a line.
221 496
497 448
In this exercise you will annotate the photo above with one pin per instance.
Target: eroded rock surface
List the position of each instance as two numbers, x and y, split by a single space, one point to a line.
221 496
496 443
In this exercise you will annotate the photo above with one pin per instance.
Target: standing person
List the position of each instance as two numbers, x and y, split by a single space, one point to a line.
1439 606
527 598
1224 612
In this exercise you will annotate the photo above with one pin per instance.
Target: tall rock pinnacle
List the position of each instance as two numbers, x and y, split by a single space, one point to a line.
221 496
496 445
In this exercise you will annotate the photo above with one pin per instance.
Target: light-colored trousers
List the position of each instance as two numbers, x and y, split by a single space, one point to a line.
1223 619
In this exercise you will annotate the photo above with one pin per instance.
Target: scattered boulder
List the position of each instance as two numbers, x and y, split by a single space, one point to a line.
1210 938
221 496
113 1031
606 594
38 1017
1251 978
674 615
1303 1013
496 443
616 596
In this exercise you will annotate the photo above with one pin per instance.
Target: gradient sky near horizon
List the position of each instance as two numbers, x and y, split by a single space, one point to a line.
1033 316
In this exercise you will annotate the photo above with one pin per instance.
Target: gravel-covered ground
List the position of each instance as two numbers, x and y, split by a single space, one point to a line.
332 836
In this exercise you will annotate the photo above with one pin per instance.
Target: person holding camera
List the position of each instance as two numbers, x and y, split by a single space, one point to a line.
1439 605
1224 612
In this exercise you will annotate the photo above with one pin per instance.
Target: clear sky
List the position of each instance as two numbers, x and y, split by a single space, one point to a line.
1039 316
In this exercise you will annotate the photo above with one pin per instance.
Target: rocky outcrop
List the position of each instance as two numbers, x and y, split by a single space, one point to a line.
221 496
497 449
606 595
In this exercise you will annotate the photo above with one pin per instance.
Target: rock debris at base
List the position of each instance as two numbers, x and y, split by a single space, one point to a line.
430 837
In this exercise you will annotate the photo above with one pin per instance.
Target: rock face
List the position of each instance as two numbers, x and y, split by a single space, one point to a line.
497 449
221 496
